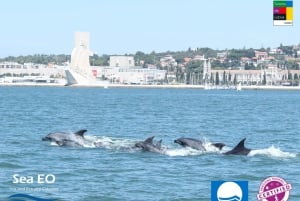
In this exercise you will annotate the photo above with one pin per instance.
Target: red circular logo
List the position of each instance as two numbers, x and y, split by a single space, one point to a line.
274 189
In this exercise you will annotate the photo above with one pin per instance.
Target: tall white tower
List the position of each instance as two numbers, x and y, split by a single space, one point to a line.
206 69
80 70
80 57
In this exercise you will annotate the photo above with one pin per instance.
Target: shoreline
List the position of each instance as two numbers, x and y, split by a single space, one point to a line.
179 86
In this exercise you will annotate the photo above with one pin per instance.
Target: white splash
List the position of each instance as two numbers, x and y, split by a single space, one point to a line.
183 152
110 143
53 144
272 152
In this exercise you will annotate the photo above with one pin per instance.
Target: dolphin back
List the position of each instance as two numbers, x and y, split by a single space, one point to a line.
191 142
148 145
66 139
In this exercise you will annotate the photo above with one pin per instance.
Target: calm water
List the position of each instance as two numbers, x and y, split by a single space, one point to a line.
120 117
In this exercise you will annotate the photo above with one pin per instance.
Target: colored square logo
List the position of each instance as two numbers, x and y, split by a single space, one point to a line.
282 12
229 191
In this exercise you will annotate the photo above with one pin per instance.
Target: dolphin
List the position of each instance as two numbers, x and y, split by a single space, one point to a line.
196 144
239 149
66 139
148 145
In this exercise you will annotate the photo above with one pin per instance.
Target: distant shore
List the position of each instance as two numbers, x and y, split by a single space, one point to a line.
178 86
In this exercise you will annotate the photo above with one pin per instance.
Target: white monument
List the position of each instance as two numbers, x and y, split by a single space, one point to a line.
206 69
80 71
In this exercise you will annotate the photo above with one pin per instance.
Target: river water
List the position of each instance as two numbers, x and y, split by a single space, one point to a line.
120 117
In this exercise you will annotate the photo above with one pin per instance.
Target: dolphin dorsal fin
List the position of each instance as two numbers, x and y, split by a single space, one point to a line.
239 149
80 132
158 144
149 140
240 145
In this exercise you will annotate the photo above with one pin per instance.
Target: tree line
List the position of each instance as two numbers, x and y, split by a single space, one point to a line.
39 59
233 58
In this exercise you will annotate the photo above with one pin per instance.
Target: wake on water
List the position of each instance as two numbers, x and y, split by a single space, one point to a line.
128 144
272 152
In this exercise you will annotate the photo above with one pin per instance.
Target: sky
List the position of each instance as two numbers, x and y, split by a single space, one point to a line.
127 26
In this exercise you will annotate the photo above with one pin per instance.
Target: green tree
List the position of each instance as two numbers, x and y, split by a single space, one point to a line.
235 80
217 64
264 82
207 52
39 59
179 58
212 78
224 78
296 79
139 56
290 76
288 50
217 78
193 68
96 60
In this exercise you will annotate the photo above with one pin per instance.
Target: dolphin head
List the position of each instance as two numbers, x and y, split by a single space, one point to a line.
148 145
46 138
139 145
66 138
219 145
54 136
51 137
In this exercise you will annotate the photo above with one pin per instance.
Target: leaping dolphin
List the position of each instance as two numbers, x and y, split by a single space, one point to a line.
196 144
239 149
148 145
66 139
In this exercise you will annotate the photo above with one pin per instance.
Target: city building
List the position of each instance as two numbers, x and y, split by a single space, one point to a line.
8 64
222 56
273 76
123 73
199 58
168 61
12 71
121 61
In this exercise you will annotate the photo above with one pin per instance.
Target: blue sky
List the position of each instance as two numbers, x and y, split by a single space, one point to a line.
127 26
